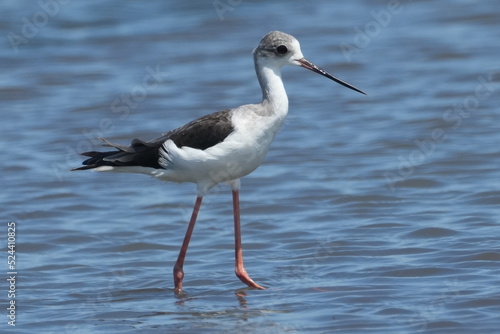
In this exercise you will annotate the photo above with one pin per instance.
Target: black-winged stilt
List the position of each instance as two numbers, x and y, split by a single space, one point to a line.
219 147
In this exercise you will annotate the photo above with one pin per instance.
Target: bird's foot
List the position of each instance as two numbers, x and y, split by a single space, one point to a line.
245 278
178 276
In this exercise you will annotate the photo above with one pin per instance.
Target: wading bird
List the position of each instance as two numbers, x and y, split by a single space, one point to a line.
220 147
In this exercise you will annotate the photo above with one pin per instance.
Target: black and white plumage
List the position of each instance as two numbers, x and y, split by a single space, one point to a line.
220 147
202 133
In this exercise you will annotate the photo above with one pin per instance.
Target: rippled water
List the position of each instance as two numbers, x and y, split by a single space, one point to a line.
371 214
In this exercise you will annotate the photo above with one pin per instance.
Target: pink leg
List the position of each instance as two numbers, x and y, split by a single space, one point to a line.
178 272
239 268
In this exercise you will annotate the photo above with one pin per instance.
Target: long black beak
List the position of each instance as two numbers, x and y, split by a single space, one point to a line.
310 66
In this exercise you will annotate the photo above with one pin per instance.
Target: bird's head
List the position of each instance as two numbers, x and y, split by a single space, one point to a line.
277 49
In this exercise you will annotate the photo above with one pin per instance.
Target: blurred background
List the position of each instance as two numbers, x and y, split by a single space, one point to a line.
373 213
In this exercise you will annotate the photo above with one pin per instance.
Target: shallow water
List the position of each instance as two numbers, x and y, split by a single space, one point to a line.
371 214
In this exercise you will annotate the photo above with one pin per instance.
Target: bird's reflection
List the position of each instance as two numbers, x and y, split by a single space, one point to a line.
240 296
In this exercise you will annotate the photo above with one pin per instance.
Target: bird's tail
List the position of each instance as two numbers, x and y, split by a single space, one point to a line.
139 153
97 159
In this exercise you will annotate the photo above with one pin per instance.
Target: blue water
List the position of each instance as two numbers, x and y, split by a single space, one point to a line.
371 214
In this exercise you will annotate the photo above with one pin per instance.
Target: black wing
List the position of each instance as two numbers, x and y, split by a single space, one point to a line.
201 133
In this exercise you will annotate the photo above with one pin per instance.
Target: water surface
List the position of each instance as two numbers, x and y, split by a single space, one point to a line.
373 213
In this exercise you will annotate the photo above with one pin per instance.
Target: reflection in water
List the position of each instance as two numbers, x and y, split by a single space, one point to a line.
240 295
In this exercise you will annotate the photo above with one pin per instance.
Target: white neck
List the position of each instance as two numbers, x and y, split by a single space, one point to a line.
275 100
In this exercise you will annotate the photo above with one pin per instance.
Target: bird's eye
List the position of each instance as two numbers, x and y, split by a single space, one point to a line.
282 49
